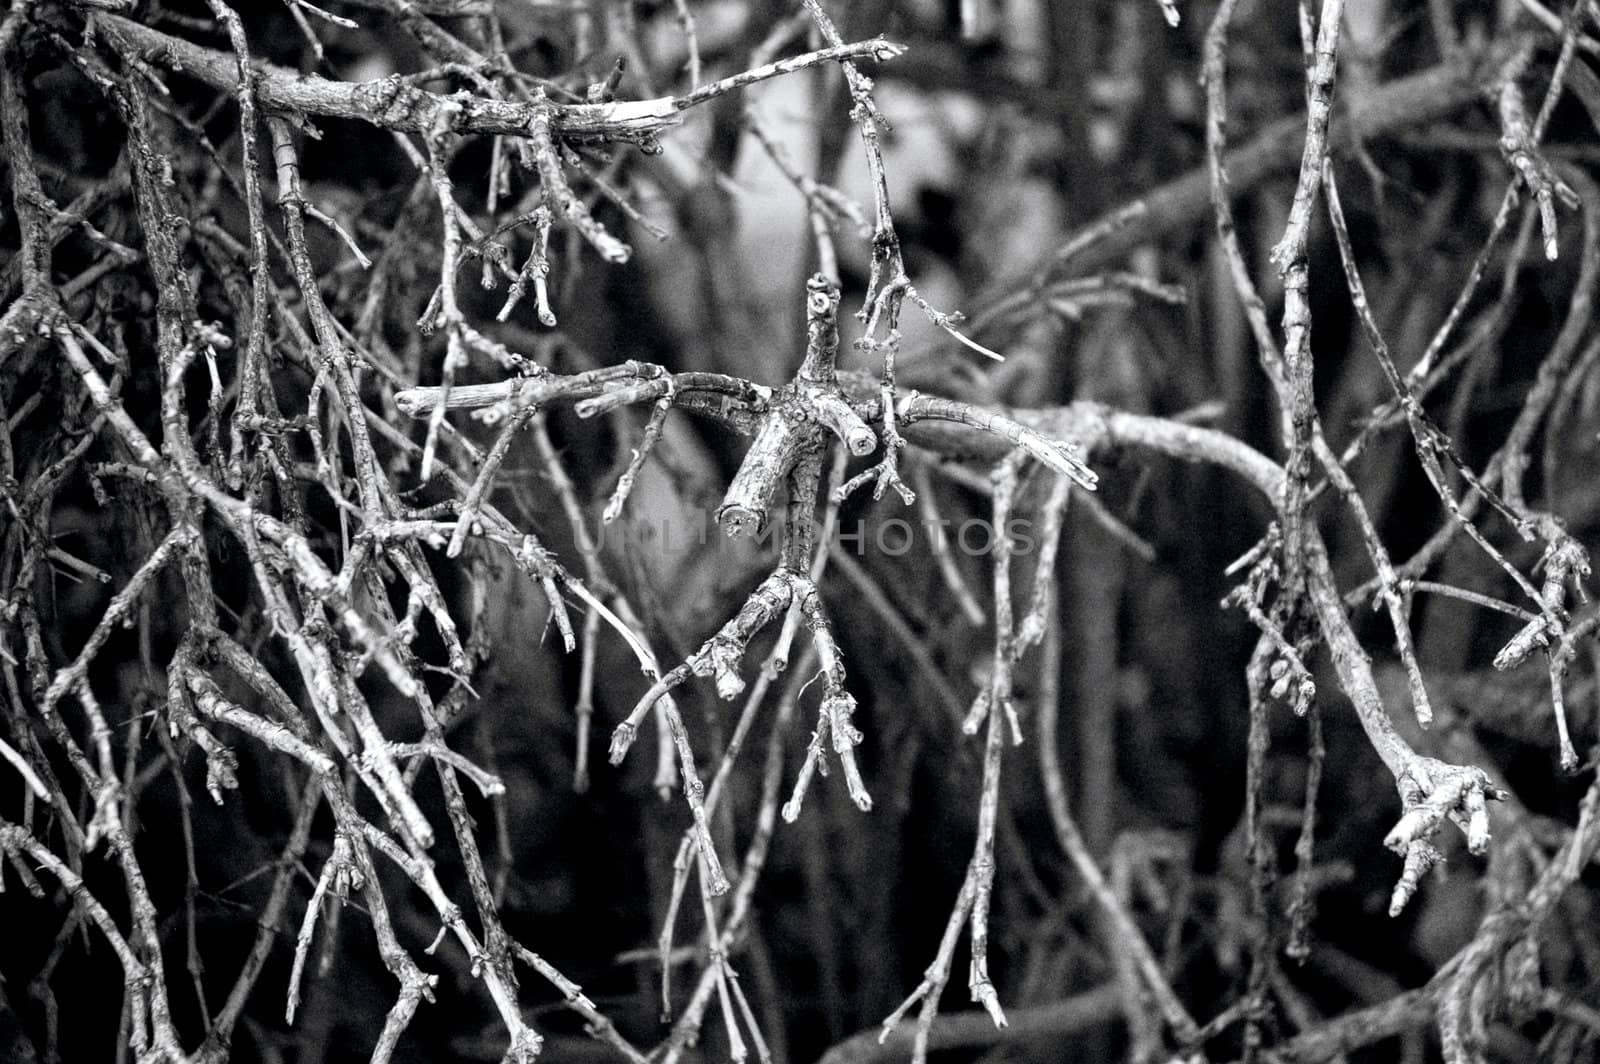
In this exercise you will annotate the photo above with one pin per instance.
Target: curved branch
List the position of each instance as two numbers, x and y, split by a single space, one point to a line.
394 103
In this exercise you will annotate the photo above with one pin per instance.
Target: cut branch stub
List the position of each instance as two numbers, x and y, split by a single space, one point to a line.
1432 791
821 365
778 444
796 419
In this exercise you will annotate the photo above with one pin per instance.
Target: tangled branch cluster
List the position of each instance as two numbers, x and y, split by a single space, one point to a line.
315 529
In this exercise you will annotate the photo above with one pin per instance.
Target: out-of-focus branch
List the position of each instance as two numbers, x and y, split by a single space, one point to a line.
1180 204
975 1030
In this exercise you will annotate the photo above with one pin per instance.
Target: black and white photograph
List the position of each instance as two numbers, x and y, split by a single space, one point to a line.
799 531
